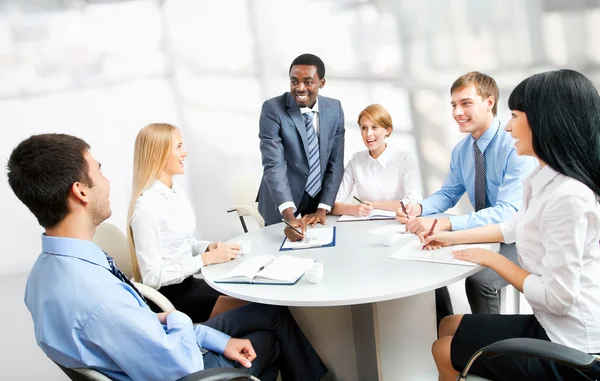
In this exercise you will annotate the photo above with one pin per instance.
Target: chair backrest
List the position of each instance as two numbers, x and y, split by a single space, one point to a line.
83 374
112 240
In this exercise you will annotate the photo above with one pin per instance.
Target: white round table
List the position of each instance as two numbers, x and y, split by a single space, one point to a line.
392 300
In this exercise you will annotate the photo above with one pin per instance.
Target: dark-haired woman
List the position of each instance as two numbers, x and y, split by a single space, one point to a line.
555 118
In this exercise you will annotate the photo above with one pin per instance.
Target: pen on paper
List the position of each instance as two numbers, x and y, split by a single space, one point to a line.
290 225
430 231
261 268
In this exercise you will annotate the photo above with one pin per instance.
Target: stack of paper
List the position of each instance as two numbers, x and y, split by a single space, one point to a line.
413 251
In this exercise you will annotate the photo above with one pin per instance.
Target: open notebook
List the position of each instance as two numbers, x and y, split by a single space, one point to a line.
268 269
376 214
413 251
313 237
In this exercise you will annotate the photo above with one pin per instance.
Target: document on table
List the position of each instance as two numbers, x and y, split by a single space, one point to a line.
268 269
319 237
376 214
413 251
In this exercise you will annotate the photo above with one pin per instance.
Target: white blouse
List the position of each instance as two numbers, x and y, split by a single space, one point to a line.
557 231
394 175
163 224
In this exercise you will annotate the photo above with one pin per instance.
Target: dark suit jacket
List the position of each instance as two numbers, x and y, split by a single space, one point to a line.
284 149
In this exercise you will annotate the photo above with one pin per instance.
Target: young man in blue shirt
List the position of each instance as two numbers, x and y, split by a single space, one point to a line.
87 314
486 166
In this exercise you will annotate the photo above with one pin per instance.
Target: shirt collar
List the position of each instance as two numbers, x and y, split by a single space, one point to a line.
383 159
76 248
485 139
541 178
315 108
163 189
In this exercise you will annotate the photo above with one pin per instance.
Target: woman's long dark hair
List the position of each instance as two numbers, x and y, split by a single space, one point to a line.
563 111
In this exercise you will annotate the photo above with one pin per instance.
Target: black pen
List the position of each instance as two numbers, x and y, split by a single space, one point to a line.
290 225
359 200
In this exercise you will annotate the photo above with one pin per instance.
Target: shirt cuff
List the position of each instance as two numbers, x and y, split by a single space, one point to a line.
533 289
324 206
508 234
214 340
179 320
285 205
459 222
200 247
426 208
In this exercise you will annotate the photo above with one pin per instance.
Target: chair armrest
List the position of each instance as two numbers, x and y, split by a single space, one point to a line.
156 297
541 349
247 210
219 374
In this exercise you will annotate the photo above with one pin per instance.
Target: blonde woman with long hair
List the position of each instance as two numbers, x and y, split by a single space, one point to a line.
382 175
164 253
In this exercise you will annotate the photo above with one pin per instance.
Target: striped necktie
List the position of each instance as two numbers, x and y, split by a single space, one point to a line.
122 277
480 183
313 183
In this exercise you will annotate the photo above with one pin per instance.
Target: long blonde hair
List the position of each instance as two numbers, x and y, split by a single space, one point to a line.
153 146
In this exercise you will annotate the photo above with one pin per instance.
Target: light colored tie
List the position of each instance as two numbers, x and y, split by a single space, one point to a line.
313 183
480 183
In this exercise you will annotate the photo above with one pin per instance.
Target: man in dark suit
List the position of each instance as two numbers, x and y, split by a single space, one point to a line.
302 146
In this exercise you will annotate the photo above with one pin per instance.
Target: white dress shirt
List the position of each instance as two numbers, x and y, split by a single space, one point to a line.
315 111
394 175
163 224
556 232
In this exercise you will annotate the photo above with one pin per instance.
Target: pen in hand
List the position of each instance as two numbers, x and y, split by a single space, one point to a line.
359 200
403 208
290 225
430 231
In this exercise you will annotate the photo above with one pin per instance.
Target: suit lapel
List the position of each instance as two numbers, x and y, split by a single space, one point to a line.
294 113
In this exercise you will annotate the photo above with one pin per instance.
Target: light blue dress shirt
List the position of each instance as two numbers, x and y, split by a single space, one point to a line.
84 316
504 171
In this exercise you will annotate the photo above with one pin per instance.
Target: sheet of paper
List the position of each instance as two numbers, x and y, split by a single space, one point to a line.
248 267
389 229
376 214
312 238
285 268
413 251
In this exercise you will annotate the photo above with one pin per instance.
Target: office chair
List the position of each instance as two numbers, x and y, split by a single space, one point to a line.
216 374
110 239
247 211
532 348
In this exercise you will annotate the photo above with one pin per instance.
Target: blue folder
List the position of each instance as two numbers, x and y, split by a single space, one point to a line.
311 247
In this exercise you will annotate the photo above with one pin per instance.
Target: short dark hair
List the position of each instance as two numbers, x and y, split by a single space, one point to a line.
563 111
311 60
41 171
484 85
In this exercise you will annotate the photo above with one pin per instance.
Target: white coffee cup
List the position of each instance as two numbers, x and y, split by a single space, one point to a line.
389 239
245 246
314 274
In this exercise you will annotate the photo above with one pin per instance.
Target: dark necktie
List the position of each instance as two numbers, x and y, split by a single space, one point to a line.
122 277
313 183
480 184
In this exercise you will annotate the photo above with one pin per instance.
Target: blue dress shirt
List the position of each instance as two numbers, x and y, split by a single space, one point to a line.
504 171
84 316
